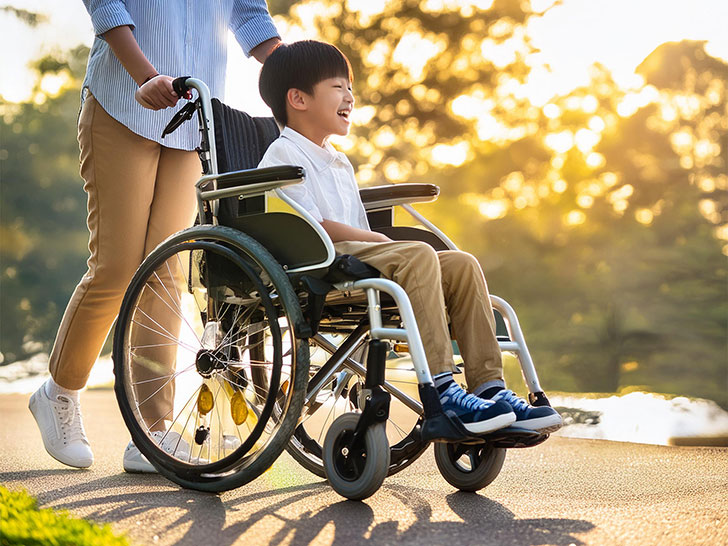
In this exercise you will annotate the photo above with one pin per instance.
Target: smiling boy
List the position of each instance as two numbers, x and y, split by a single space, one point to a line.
308 87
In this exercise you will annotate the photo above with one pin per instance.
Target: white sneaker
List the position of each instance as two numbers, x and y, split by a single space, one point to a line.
171 442
61 428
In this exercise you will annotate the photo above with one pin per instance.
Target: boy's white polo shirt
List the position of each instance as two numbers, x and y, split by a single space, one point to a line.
329 190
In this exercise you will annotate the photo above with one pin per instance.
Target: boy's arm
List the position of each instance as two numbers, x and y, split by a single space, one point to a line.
344 232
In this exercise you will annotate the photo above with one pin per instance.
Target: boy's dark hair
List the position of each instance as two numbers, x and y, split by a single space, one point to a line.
300 65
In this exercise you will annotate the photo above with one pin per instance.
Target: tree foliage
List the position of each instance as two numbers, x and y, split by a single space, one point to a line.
44 240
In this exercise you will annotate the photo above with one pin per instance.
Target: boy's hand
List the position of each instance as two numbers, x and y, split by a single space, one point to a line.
157 93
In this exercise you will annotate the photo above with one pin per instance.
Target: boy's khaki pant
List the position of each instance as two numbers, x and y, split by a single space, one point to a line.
434 282
139 193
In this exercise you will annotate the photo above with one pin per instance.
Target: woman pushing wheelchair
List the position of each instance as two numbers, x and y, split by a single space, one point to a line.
140 188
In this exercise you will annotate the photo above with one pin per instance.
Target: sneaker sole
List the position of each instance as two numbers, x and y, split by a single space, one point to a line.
139 467
494 423
75 464
544 425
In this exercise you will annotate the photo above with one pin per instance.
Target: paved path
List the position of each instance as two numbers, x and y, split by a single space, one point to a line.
564 492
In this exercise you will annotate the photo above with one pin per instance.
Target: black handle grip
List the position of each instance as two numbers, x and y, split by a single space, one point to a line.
180 86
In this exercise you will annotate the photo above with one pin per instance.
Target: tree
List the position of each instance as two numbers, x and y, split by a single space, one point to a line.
583 208
42 209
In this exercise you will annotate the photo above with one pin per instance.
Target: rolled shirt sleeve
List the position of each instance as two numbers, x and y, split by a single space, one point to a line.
251 24
107 14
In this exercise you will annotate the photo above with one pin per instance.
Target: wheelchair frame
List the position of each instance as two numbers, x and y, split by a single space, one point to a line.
375 395
516 342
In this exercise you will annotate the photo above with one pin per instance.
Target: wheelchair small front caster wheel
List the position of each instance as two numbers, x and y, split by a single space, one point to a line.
355 473
469 467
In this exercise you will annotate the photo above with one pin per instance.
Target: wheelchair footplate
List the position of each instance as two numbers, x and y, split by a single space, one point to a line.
514 437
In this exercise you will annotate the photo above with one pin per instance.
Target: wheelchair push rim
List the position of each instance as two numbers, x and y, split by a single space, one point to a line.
207 332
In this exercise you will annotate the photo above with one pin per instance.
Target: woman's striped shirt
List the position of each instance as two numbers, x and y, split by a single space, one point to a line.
180 38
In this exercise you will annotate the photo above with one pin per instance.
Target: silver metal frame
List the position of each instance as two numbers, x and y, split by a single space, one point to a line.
410 333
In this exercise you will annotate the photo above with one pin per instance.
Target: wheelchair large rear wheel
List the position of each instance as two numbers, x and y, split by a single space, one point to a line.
337 393
210 373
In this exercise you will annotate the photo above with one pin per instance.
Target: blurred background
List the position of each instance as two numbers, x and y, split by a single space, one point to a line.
580 148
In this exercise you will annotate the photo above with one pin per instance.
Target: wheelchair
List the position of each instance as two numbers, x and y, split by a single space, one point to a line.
246 335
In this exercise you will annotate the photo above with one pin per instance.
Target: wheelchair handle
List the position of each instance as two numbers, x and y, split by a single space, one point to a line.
180 86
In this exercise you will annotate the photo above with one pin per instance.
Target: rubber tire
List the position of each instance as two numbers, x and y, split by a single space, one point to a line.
476 479
287 296
377 458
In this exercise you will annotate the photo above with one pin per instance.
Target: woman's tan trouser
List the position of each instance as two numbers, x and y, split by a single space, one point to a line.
436 282
139 193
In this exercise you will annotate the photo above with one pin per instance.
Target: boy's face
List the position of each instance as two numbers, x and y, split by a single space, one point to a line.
330 106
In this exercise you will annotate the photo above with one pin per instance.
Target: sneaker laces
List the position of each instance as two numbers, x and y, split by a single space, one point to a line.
466 400
69 413
513 399
172 443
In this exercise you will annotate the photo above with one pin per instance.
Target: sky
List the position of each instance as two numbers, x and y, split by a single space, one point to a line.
616 33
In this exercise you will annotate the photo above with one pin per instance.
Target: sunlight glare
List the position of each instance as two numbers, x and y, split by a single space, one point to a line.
585 201
366 9
644 216
414 51
451 154
559 186
551 111
560 142
589 104
586 139
597 124
575 218
493 209
51 84
596 160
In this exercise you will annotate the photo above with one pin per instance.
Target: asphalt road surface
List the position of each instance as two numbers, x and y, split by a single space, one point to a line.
563 492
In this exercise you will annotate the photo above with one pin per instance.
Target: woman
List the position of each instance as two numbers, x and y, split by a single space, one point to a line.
140 188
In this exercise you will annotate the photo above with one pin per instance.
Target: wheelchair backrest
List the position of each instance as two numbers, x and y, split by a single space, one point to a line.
241 141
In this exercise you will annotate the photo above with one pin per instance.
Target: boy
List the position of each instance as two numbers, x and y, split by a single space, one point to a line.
308 87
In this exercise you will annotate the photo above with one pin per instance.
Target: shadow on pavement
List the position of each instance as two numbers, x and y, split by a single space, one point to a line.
214 519
42 473
483 522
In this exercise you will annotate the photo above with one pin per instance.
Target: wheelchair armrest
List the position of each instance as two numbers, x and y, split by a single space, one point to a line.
249 182
382 197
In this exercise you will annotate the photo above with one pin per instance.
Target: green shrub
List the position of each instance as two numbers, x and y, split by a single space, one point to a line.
21 522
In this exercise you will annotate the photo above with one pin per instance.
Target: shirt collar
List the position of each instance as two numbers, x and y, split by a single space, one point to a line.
320 157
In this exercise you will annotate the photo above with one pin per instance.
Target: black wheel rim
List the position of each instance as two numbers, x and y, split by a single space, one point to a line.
193 471
349 463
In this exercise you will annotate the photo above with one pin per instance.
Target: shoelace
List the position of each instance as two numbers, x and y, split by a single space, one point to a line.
71 420
466 400
172 444
514 400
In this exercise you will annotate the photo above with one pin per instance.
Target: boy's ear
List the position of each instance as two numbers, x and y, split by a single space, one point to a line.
296 99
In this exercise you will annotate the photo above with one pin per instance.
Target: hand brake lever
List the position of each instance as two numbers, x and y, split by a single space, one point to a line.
180 117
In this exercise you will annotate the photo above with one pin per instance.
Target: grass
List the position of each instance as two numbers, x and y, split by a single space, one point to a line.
22 522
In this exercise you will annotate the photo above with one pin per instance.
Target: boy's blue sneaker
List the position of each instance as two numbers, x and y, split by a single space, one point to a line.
542 419
477 415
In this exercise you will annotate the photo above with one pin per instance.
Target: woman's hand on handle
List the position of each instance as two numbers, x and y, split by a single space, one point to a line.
157 93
